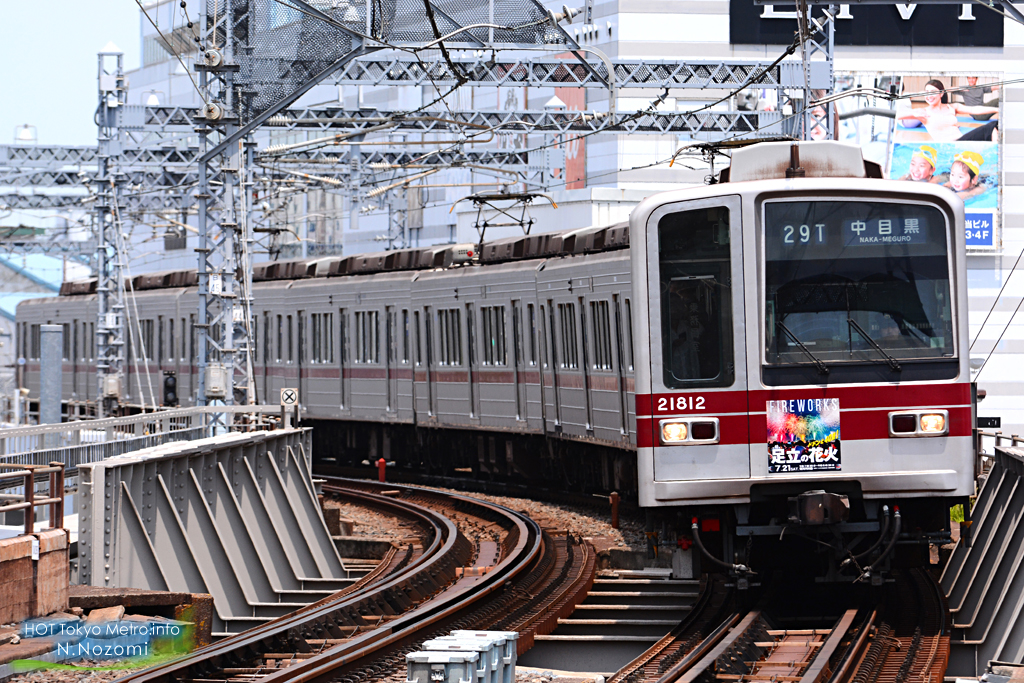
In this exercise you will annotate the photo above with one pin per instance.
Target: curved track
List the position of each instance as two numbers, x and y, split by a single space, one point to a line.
475 565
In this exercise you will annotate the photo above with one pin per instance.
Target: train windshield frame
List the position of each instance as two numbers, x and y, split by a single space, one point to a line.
856 280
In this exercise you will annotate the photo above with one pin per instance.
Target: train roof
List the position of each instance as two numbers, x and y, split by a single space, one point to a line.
521 247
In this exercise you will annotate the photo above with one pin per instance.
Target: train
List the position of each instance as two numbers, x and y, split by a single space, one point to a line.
775 359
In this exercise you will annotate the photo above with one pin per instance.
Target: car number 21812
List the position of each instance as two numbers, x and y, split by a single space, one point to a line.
677 403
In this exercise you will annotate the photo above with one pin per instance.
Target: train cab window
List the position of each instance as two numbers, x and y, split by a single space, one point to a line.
567 321
856 281
493 318
696 286
602 335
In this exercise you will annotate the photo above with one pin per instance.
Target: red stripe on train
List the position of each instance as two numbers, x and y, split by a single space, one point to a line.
858 425
881 396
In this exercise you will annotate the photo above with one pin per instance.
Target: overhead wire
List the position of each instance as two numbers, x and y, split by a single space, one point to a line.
170 45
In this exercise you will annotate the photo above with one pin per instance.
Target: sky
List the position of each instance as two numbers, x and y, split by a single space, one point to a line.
48 56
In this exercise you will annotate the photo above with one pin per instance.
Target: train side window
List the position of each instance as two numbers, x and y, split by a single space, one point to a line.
146 352
74 341
405 336
629 333
696 290
343 335
160 338
367 341
543 335
416 326
567 322
327 330
291 339
316 334
266 337
280 337
517 333
183 356
531 315
449 327
390 338
495 352
601 324
170 339
65 352
301 331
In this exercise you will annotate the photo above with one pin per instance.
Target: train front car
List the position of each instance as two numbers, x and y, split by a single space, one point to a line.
806 373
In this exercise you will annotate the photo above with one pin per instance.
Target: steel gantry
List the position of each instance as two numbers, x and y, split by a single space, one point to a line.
254 63
109 231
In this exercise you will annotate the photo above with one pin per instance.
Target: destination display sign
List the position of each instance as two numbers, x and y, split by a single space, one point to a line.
884 231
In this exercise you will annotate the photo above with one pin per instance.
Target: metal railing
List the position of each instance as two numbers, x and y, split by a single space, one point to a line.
86 441
25 477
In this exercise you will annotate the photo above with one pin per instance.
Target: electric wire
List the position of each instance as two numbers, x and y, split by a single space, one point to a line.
176 55
996 300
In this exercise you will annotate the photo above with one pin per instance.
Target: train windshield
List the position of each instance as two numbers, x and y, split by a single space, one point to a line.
856 281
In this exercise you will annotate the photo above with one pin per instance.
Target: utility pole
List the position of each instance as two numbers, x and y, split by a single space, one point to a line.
110 319
225 228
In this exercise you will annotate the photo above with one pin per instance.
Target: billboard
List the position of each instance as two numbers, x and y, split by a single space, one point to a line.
946 132
966 25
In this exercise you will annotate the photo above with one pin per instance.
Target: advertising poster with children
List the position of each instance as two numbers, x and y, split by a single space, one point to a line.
970 169
941 128
803 435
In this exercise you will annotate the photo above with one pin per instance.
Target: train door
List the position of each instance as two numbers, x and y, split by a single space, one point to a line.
699 427
518 360
390 357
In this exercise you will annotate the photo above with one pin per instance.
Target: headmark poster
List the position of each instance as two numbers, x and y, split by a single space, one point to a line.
803 435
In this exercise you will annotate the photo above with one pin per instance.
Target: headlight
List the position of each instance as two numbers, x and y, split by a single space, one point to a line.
933 423
917 423
672 432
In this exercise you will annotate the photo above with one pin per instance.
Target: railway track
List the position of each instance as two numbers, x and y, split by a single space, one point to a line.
472 564
901 638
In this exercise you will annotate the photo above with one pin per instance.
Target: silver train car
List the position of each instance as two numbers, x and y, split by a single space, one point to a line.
782 350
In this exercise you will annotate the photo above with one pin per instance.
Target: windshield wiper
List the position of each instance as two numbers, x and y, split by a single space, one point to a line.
893 363
822 368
